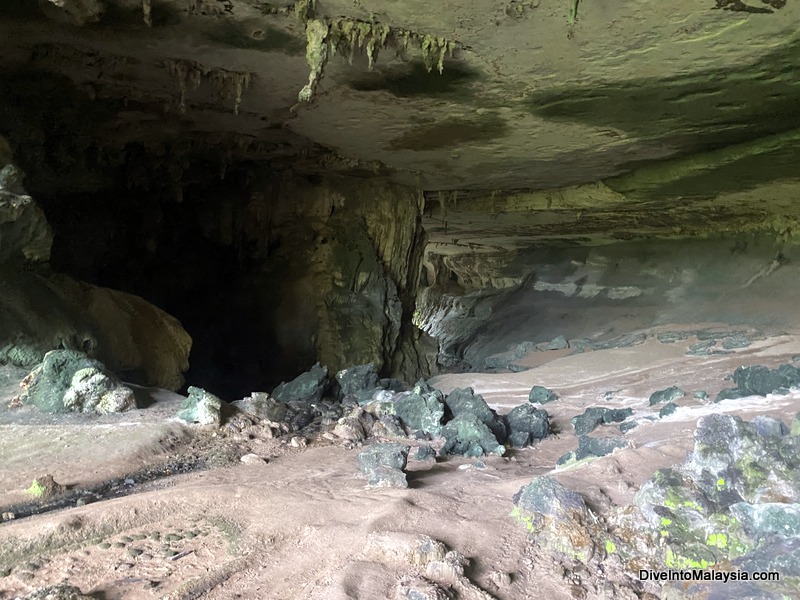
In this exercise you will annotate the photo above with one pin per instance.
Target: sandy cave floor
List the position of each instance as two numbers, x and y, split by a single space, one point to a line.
192 521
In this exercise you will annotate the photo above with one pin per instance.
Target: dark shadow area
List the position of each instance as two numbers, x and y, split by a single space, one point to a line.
452 132
414 80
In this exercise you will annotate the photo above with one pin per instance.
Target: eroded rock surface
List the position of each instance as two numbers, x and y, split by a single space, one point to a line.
383 465
71 381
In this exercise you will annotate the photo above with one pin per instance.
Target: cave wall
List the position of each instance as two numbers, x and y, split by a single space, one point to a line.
268 271
481 306
41 310
337 262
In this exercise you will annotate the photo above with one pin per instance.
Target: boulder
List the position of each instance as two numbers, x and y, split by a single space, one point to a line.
770 426
466 403
355 427
558 343
417 588
389 426
306 387
737 492
760 381
667 395
557 516
45 488
595 416
263 406
732 461
92 389
425 453
701 348
667 409
358 380
68 380
737 340
593 446
41 311
201 407
768 519
421 410
526 425
541 395
468 435
383 465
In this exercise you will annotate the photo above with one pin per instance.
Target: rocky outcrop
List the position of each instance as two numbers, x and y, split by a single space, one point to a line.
42 311
201 407
71 381
557 518
343 258
492 298
24 232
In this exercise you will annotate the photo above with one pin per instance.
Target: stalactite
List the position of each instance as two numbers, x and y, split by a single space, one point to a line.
146 13
230 85
346 36
316 56
573 11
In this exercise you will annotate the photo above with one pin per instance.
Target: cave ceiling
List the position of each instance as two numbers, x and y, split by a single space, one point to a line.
690 102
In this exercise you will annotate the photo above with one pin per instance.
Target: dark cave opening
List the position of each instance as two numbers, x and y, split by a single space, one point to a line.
174 255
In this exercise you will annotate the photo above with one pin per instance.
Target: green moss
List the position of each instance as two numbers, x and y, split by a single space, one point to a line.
526 520
611 547
231 531
665 521
36 490
676 561
720 540
753 475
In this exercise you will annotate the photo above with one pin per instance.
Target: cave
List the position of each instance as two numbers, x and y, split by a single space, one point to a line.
253 252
